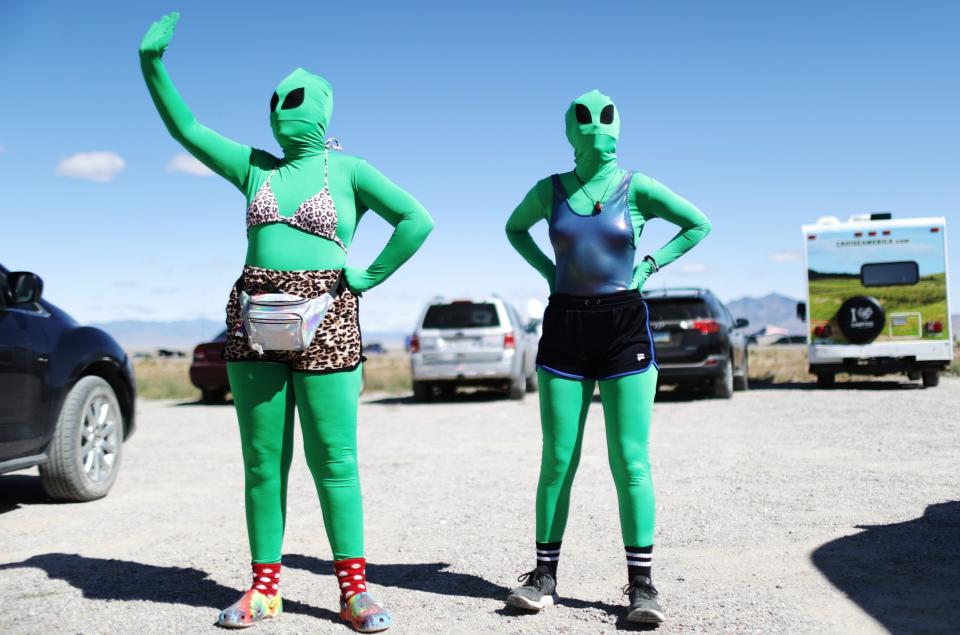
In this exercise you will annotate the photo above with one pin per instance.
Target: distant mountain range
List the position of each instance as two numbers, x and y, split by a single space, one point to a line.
770 310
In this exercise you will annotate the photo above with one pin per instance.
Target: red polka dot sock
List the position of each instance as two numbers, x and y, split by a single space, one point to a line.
266 578
351 576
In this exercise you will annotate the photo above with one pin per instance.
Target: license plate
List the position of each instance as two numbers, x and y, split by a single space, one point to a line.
661 336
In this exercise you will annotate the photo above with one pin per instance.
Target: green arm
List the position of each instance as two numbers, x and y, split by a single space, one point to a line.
532 209
227 158
411 225
654 199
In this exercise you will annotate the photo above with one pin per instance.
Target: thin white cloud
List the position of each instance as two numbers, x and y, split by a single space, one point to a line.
785 256
92 166
693 268
188 165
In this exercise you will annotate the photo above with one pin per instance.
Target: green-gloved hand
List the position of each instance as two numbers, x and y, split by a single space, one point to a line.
158 36
358 280
640 274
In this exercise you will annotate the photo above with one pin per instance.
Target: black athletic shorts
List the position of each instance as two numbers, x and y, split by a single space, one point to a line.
596 337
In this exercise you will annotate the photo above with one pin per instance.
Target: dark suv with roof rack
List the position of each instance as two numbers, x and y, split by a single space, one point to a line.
697 341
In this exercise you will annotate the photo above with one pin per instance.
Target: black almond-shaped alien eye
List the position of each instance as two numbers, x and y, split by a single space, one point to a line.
294 98
583 114
274 101
606 115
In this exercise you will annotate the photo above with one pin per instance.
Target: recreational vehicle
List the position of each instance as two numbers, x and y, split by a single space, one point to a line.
877 297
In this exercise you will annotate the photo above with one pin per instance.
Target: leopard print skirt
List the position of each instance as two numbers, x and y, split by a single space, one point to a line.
336 346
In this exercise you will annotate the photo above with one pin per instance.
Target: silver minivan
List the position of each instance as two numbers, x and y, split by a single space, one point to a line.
473 342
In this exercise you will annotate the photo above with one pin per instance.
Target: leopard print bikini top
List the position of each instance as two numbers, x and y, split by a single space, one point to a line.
317 215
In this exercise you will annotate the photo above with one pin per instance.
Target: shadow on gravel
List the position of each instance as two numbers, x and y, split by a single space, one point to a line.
101 579
906 575
840 385
434 578
460 397
19 490
201 402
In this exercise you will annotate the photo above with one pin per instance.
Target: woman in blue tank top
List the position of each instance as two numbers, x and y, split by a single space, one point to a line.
596 331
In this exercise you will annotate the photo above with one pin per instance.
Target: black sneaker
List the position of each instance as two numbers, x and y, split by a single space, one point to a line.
539 591
644 607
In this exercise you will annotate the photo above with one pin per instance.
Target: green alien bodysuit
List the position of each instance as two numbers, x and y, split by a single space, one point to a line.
593 127
266 393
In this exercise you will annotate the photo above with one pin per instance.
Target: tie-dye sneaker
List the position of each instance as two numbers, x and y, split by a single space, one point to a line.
364 613
252 607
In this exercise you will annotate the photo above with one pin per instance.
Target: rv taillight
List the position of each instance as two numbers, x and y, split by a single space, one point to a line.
414 344
857 234
823 330
886 232
706 326
934 230
509 340
935 327
811 237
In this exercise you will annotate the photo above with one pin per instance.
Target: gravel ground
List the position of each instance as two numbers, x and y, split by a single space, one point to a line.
784 510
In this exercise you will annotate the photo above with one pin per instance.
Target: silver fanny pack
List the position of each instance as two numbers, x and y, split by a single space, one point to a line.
283 321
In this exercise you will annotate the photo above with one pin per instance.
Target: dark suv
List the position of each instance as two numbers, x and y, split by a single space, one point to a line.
66 394
697 341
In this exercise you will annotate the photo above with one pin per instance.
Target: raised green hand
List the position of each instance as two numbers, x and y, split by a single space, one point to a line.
158 36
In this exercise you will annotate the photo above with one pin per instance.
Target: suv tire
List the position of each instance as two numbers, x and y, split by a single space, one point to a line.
743 381
422 391
518 387
212 395
723 385
89 431
826 380
533 382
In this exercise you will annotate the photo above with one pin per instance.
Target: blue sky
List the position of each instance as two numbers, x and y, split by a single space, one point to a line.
765 115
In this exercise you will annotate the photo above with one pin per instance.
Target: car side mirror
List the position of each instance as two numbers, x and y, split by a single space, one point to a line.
741 322
24 287
802 311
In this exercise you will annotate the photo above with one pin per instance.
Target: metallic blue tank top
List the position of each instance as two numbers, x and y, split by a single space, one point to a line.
595 254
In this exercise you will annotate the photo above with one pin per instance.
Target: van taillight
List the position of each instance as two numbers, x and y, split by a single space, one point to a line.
199 353
934 230
509 340
935 327
706 326
823 330
414 344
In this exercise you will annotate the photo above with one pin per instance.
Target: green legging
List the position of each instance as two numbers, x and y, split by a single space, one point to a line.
265 394
627 403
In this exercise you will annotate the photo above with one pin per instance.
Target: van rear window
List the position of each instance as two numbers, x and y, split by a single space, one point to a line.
461 315
677 309
885 274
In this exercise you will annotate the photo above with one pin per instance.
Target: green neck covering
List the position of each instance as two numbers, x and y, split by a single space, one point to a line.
300 112
593 127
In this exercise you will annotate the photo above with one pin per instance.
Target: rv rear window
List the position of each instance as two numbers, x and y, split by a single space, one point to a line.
885 274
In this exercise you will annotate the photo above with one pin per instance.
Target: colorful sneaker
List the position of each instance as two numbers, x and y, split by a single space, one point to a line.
539 591
364 613
252 607
644 607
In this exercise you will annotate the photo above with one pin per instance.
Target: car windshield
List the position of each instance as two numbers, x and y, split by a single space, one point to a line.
677 309
460 315
222 336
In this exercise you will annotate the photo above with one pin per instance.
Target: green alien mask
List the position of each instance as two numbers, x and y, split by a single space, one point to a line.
593 127
300 112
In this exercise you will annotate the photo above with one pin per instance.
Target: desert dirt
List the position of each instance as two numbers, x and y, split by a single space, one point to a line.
782 510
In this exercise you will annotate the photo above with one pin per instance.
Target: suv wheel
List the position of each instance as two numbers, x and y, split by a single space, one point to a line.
826 380
743 381
723 385
931 378
422 391
518 387
212 396
84 453
533 382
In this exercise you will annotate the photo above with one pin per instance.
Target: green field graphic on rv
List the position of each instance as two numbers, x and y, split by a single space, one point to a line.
834 259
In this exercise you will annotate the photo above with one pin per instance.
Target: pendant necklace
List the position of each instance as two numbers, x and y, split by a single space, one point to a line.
597 204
